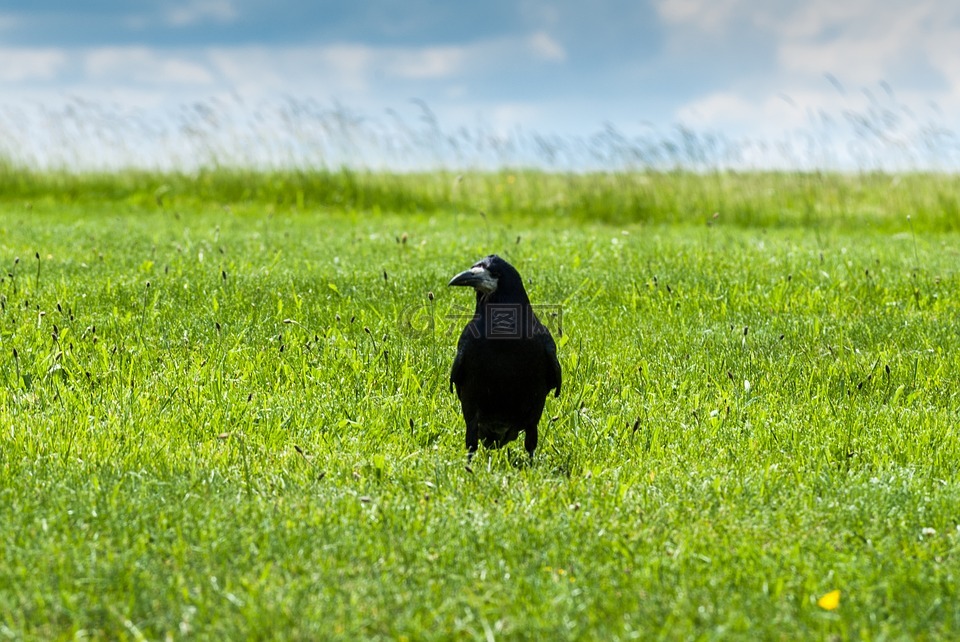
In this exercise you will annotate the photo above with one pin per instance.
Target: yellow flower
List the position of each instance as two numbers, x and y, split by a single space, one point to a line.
829 601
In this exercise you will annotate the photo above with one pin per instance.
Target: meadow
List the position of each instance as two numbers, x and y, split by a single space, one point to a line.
225 410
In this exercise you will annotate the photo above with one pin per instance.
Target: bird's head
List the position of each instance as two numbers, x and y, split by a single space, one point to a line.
492 276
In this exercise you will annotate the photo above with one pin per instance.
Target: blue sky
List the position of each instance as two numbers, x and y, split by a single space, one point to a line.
760 69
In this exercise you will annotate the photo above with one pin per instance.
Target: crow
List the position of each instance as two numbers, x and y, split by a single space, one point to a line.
506 361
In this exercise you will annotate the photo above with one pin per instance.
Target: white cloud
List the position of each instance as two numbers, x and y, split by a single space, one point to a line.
201 11
546 48
861 41
140 65
342 70
29 64
508 116
422 63
336 70
339 70
907 45
710 16
762 117
867 46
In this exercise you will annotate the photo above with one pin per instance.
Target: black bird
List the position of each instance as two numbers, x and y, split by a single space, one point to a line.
506 361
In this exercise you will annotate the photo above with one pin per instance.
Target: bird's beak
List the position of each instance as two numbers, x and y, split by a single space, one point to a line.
476 277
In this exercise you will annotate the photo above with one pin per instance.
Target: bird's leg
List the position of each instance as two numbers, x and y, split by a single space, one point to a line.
473 438
530 440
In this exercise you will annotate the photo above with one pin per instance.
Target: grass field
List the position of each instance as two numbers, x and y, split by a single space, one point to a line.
225 411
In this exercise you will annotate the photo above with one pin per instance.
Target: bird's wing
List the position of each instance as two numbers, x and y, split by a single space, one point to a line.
554 377
456 372
556 373
557 377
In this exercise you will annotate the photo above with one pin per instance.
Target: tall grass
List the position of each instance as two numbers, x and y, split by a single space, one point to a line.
876 132
768 199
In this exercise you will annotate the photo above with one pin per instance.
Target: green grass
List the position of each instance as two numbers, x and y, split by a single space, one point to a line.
770 199
225 411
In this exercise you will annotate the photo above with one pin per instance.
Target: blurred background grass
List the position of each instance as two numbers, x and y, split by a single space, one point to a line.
826 200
